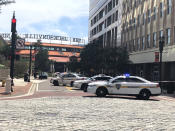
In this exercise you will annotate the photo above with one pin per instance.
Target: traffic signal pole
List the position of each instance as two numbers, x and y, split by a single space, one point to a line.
161 44
13 44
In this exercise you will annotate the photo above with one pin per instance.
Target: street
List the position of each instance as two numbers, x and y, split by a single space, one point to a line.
63 108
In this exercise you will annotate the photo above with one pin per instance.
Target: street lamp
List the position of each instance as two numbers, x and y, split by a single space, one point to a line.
161 45
30 62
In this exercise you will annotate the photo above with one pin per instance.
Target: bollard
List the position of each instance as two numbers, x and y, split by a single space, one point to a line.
8 86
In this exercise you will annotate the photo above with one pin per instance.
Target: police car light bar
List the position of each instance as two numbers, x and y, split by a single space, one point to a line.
127 75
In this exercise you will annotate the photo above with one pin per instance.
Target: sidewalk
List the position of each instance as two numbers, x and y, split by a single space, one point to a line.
20 88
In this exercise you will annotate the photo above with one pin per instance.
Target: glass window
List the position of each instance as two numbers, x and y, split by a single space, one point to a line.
116 16
110 6
138 43
154 39
161 9
143 43
119 80
134 80
148 41
143 20
149 15
154 15
109 21
169 6
168 36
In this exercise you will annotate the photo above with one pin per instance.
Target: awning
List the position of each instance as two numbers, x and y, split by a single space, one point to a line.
60 59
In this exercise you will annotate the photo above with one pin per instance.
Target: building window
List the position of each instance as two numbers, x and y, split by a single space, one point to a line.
113 2
168 36
169 6
154 15
161 9
110 6
101 14
160 34
149 15
138 20
116 16
144 16
109 21
154 39
143 43
138 43
116 2
134 45
148 41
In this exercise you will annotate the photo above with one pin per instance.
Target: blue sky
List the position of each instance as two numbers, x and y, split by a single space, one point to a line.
54 17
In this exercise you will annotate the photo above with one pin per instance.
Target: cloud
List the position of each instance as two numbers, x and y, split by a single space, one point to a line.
42 16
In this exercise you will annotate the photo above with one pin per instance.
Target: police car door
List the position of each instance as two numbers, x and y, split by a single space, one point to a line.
115 86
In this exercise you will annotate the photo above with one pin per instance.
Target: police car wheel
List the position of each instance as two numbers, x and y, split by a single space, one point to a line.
72 84
101 92
55 83
83 86
145 94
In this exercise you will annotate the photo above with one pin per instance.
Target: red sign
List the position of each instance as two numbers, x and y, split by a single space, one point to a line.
156 56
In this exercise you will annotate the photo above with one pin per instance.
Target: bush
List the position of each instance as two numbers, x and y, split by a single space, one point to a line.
20 68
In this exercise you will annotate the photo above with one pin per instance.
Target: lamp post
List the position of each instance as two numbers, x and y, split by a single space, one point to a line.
161 45
30 62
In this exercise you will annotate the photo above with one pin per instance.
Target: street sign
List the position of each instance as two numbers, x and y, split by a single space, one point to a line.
20 43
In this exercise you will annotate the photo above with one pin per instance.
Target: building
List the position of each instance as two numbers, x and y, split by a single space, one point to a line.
143 23
60 48
59 54
105 17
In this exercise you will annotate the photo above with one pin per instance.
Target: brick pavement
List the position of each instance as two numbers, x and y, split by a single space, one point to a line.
87 114
20 88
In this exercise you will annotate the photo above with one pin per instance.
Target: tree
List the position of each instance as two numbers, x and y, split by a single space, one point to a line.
5 2
42 60
74 64
109 60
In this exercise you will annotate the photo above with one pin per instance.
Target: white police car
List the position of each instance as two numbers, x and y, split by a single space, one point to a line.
125 85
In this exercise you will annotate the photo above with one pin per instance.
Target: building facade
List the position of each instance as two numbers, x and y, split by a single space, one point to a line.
59 54
105 17
144 22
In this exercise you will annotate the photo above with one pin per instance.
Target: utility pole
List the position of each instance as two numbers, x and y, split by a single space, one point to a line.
161 45
13 44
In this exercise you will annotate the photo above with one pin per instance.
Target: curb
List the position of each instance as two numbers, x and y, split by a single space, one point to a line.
32 89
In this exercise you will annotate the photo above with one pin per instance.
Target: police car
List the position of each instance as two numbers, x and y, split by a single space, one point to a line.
82 84
125 85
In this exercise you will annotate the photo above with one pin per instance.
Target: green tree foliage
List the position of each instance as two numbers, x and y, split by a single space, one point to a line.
74 64
112 61
20 68
42 61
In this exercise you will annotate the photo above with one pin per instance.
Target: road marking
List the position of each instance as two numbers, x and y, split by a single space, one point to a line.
69 88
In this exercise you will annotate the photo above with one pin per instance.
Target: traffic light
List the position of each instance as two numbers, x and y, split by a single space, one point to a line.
13 26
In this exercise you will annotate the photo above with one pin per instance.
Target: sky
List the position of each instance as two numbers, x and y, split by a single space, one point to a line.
52 17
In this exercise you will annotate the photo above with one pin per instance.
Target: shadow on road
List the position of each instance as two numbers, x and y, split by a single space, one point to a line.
121 97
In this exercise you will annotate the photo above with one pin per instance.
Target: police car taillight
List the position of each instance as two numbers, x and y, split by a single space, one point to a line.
158 86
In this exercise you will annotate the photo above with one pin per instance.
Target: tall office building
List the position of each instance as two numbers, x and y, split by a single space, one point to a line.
105 17
143 23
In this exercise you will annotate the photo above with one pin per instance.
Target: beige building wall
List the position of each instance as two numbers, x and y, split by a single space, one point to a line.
134 31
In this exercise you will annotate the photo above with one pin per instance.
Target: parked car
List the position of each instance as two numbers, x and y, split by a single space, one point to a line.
125 85
82 84
55 77
68 78
43 75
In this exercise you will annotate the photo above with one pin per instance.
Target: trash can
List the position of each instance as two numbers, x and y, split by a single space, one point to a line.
26 77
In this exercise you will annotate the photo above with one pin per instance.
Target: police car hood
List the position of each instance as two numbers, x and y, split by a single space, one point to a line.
98 83
82 81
